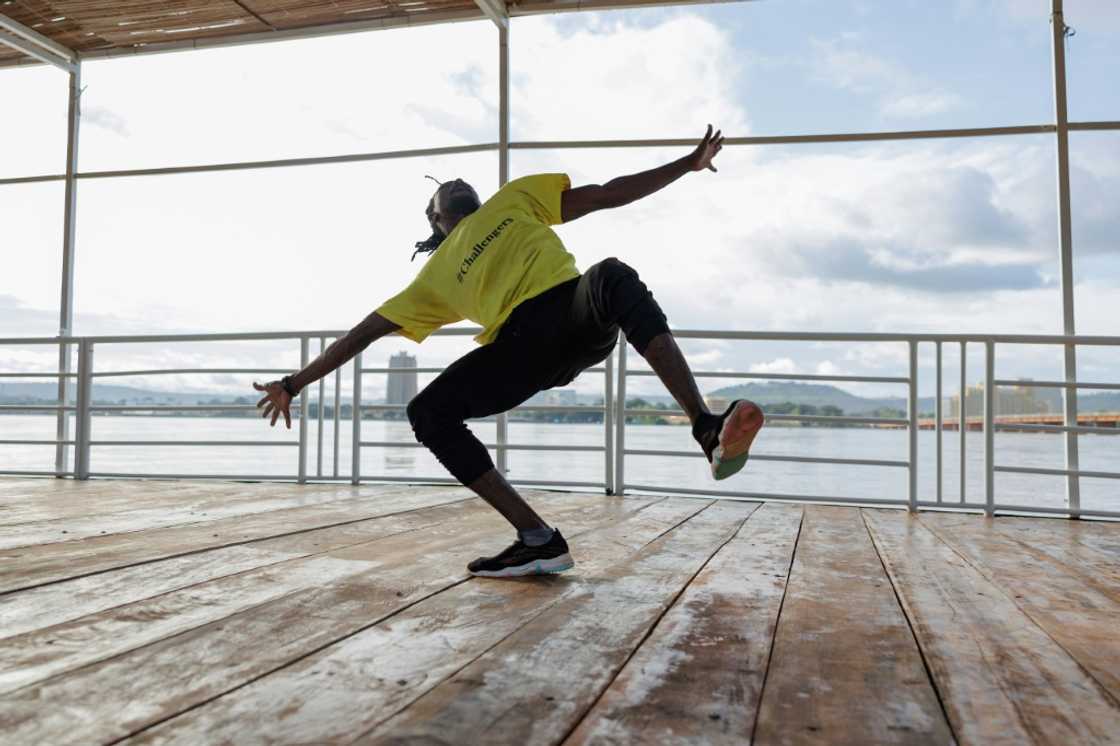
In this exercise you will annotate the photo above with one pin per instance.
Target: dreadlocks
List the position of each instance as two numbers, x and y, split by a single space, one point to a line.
459 205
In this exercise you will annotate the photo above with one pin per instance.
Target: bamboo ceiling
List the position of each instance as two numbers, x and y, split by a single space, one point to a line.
99 25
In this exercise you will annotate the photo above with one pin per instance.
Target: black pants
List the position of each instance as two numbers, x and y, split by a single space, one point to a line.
544 343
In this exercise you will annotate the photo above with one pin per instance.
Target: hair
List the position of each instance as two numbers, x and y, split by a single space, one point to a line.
432 242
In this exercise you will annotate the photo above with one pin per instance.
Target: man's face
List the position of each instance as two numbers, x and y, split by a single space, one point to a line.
452 200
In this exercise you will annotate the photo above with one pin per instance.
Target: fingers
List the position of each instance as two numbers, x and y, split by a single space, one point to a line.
275 416
268 410
287 418
258 387
262 401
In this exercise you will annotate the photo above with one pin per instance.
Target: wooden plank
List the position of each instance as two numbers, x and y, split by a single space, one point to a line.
339 691
1078 609
32 566
698 677
52 650
1001 678
535 685
120 695
56 497
845 668
187 507
1092 545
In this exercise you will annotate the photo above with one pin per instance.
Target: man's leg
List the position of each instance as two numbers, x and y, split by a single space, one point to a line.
612 293
485 381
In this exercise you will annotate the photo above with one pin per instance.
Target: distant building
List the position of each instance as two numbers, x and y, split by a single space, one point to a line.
1021 399
402 379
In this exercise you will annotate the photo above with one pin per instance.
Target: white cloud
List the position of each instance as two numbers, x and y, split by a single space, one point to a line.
901 93
778 365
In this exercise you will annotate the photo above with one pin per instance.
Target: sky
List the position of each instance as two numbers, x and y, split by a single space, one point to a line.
917 236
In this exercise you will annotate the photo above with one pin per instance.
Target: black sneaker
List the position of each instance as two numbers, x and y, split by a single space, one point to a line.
522 559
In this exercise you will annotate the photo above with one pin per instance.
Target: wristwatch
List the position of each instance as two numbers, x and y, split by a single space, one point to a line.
286 382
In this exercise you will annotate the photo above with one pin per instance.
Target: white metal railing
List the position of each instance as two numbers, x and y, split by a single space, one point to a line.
614 411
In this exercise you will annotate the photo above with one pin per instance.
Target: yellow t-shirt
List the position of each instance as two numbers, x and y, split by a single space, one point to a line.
495 258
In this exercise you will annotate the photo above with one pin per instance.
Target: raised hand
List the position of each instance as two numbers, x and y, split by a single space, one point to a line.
278 401
701 158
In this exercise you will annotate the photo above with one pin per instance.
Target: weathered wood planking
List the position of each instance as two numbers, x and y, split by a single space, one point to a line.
339 692
698 677
60 497
535 685
118 497
845 668
1078 609
120 695
191 508
40 607
31 566
1001 678
49 651
1093 546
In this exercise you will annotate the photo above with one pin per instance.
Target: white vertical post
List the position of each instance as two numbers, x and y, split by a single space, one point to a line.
502 423
937 423
356 423
82 423
319 428
304 355
989 427
608 425
1065 233
962 420
912 408
66 305
337 402
620 421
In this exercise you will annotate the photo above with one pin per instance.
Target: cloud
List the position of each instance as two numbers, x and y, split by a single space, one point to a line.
99 116
902 94
778 365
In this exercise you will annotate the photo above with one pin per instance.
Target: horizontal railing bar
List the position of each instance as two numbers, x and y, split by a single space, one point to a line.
767 457
557 483
384 407
576 408
1059 472
1042 339
37 407
781 376
290 162
788 417
1011 427
767 495
1029 129
192 443
1087 126
224 477
32 473
111 373
171 407
492 446
30 442
440 370
411 480
1056 384
38 375
1000 508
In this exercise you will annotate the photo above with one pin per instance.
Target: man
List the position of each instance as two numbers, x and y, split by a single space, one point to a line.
500 265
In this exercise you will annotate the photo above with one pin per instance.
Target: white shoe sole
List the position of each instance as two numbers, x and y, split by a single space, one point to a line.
536 567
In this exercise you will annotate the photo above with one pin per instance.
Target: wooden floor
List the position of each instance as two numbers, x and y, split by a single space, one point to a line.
193 613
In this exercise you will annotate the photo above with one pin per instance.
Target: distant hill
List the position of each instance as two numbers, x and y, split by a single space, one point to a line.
816 394
26 393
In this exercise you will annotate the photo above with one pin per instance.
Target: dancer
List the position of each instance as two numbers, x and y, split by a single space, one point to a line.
500 265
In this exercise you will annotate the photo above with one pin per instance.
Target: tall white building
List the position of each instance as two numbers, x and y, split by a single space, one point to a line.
402 379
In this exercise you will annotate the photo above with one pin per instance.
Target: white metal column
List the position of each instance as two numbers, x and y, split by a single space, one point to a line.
502 427
1065 233
66 304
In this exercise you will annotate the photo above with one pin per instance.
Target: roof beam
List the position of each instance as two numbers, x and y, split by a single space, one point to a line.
39 53
495 10
34 37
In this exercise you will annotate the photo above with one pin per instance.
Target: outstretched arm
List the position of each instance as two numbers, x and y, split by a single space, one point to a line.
575 203
372 328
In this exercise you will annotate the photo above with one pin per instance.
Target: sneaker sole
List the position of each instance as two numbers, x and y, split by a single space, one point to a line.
536 567
735 438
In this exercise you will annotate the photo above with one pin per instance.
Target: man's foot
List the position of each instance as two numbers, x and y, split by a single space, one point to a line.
521 559
726 439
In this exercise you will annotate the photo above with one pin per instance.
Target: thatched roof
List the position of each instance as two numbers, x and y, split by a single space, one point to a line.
96 28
